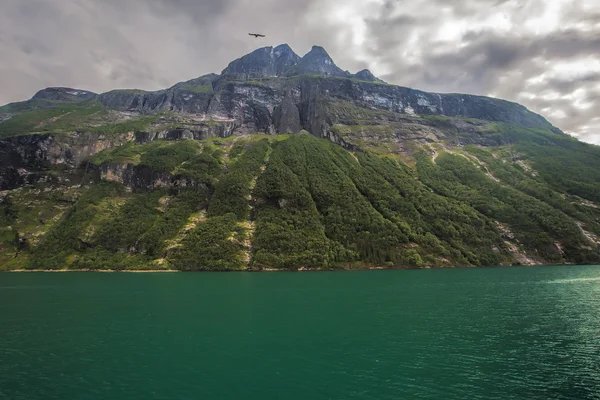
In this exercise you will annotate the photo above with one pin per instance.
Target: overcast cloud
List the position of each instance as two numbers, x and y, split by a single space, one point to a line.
544 54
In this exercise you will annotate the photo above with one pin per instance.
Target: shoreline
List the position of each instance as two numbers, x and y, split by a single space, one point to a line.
93 270
283 270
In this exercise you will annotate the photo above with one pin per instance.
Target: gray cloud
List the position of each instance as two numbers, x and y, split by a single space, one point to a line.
541 54
487 59
564 85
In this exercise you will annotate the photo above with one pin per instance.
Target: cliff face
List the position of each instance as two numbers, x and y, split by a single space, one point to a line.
28 159
250 91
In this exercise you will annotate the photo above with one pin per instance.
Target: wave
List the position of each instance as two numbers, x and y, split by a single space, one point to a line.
575 280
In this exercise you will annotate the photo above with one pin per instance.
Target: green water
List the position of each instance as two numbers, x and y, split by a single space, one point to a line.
507 333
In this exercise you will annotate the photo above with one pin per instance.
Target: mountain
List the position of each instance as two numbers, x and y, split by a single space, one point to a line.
261 63
287 162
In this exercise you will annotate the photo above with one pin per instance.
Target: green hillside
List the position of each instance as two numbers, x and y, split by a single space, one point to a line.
296 201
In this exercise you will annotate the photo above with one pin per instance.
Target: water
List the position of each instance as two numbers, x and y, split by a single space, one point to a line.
507 333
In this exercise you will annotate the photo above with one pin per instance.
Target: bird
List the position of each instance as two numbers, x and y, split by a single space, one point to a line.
256 35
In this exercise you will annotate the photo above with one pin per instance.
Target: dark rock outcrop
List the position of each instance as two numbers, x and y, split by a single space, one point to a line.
142 177
22 159
198 132
27 159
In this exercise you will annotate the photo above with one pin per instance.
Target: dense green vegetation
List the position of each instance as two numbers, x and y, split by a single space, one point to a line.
294 201
55 119
232 194
111 227
536 224
563 162
139 124
28 105
161 156
289 233
213 245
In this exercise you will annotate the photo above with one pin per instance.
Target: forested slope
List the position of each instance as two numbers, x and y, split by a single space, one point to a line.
296 201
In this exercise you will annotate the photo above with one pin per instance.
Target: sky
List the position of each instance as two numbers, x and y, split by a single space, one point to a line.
544 54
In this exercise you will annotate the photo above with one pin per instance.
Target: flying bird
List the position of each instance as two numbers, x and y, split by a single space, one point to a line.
256 35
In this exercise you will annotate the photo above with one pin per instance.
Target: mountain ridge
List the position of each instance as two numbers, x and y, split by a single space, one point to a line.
265 63
287 162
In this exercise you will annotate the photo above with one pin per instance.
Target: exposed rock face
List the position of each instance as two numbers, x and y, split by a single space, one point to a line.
141 177
197 132
286 116
20 155
264 62
288 82
202 81
285 58
191 97
289 95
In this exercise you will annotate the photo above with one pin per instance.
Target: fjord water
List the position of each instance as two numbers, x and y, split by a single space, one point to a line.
506 333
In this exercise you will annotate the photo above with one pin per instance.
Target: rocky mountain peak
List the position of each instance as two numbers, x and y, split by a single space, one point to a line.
63 94
283 61
318 61
284 58
263 62
258 63
366 75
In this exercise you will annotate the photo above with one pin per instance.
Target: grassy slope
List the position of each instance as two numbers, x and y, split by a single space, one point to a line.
89 116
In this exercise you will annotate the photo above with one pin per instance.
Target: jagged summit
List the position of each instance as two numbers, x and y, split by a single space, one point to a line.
366 75
284 58
316 102
317 61
263 62
283 61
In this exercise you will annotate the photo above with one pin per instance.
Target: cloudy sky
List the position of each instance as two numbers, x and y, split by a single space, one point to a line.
544 54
